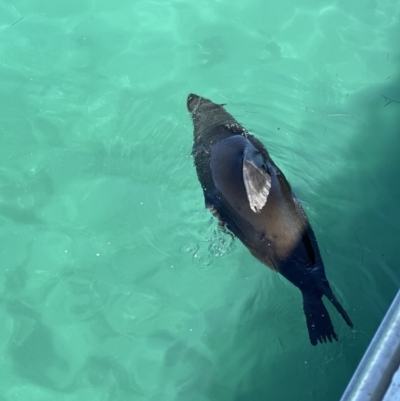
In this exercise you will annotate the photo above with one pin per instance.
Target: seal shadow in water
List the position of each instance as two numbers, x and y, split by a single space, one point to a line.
250 196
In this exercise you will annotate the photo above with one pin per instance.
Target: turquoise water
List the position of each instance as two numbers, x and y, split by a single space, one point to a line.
115 283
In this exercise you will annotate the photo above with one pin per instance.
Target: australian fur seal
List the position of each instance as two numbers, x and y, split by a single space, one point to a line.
249 194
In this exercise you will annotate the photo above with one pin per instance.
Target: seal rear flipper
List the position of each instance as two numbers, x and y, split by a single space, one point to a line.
327 291
256 179
320 328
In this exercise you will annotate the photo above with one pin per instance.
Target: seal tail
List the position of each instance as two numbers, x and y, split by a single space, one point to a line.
320 328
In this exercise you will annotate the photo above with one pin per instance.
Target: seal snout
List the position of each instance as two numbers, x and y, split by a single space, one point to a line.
192 102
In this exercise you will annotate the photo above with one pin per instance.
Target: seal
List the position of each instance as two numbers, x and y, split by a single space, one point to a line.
251 197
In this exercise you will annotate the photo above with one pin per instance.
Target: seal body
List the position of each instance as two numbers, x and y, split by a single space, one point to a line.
249 195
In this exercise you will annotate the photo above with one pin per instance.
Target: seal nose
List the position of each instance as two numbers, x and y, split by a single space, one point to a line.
192 101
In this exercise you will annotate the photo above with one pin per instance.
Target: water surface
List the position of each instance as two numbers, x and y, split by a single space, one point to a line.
115 283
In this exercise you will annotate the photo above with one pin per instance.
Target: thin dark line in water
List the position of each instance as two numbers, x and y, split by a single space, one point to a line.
362 250
16 22
389 100
386 79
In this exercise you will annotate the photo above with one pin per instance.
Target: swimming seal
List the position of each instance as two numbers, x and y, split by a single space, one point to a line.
250 196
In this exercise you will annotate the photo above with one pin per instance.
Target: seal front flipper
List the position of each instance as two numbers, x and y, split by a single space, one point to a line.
256 179
235 163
